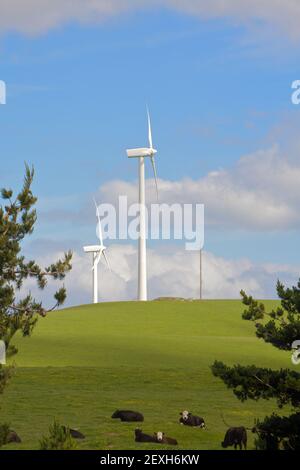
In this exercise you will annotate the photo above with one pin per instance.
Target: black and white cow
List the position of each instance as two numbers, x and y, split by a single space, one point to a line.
235 437
188 419
128 415
161 438
142 437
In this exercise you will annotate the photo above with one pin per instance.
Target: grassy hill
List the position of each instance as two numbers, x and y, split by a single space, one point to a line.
83 363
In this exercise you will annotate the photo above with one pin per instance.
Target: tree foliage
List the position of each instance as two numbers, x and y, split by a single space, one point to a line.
279 327
278 432
283 325
17 219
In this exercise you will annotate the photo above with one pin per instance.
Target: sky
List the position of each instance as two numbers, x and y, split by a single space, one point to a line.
217 79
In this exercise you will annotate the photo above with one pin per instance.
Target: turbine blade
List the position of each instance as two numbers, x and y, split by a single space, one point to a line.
96 260
99 224
106 259
149 130
155 174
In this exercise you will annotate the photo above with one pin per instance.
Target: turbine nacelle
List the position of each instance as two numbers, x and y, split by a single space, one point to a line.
141 152
93 248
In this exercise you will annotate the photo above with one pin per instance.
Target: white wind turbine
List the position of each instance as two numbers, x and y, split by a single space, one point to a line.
141 153
97 251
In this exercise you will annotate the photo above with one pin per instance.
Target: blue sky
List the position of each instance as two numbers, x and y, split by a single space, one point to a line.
218 90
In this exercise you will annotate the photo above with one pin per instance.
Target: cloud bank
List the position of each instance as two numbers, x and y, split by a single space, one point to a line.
172 271
37 16
261 192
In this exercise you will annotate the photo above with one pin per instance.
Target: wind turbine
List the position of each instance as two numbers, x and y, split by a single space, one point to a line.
97 251
141 154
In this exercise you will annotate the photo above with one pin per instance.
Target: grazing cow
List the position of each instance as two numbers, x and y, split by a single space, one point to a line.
141 437
190 420
74 433
12 437
127 415
235 437
161 438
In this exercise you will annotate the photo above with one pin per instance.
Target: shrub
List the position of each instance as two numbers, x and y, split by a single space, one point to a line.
4 431
59 438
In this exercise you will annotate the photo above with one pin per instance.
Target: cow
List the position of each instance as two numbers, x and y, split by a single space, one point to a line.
235 437
127 415
141 437
74 433
12 437
161 438
188 419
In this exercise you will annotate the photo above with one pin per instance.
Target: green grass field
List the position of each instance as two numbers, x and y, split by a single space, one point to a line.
83 363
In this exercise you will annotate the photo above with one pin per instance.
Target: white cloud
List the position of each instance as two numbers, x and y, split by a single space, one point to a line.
284 14
35 16
260 192
171 272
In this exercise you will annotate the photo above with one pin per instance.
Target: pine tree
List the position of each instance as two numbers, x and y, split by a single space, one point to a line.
281 328
17 220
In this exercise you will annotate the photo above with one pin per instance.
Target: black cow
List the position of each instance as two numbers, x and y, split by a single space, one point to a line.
235 437
74 433
12 437
188 419
161 438
127 415
141 437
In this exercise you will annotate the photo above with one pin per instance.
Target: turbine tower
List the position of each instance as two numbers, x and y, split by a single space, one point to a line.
141 154
97 252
